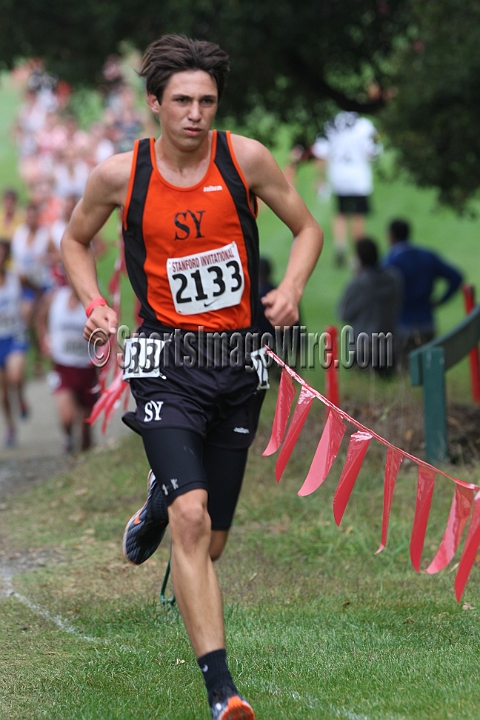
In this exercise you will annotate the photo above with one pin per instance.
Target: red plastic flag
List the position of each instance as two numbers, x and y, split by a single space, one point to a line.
457 519
300 413
115 392
286 393
392 465
470 550
109 401
325 454
357 448
425 486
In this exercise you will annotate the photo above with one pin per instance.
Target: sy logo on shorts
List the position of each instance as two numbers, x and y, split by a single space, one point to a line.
152 410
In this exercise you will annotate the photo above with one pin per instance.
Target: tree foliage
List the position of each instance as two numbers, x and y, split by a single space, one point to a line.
297 60
417 62
433 120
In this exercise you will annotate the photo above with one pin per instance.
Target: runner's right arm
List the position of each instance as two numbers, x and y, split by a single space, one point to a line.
106 189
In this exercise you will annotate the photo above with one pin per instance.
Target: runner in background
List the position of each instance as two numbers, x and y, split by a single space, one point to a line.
30 263
13 347
347 148
73 379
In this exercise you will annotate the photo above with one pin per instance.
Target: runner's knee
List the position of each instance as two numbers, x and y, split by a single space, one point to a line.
189 518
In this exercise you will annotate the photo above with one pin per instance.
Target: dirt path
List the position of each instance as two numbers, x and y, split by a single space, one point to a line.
38 453
37 456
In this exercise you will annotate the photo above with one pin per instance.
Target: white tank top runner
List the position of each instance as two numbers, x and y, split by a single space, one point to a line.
65 328
11 324
29 260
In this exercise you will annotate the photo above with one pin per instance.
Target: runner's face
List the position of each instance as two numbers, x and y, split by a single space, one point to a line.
188 108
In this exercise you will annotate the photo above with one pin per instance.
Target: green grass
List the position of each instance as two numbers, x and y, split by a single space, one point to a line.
317 625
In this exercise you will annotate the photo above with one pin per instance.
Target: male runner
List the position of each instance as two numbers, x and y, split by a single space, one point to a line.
191 248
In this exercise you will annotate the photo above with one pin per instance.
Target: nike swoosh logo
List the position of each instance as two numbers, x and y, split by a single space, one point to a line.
210 303
205 668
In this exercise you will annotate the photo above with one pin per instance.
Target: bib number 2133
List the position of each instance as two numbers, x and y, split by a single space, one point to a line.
206 281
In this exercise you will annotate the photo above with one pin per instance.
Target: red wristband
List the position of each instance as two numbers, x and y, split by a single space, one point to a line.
95 303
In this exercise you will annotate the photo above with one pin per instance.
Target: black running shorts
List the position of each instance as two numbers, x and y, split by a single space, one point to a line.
221 404
353 204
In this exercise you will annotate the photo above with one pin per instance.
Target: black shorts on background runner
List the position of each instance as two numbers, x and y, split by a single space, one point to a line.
353 204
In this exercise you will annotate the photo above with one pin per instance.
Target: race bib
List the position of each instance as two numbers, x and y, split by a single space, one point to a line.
76 347
206 281
259 361
141 358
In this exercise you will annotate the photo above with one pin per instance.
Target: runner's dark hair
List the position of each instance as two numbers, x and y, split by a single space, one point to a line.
177 53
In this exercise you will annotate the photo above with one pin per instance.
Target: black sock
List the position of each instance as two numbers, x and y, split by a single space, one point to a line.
215 672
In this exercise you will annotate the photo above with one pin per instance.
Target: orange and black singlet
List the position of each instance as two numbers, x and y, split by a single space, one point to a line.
192 253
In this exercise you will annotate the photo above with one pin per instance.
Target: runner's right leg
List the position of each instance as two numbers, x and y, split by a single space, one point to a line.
177 458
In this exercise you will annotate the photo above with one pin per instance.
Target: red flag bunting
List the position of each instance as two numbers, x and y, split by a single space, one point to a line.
323 460
325 454
392 466
286 393
109 401
470 550
425 486
357 449
457 519
300 413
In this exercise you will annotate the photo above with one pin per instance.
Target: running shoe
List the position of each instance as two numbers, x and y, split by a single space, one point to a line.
145 530
232 707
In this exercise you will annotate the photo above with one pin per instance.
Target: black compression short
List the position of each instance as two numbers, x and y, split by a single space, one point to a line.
182 461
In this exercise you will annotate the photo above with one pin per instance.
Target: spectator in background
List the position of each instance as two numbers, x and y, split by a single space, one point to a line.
101 143
348 147
43 197
70 173
50 139
371 304
13 345
420 269
128 121
10 216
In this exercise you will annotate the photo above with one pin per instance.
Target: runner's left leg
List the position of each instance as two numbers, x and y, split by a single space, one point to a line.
225 469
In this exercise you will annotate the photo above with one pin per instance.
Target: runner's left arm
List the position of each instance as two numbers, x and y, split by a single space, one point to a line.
266 180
